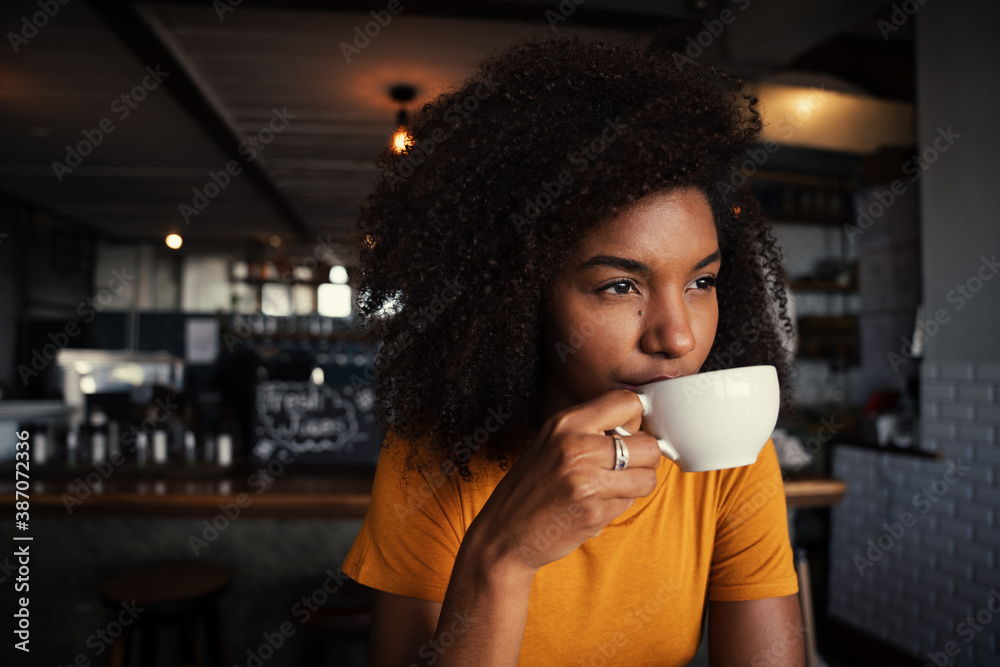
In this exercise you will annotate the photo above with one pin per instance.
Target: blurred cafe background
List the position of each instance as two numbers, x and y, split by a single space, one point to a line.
178 187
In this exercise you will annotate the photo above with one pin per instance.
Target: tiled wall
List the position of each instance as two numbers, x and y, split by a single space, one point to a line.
934 526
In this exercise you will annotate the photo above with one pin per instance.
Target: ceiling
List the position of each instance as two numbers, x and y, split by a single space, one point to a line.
235 71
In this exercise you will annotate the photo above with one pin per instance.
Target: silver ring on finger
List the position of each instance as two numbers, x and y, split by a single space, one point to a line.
621 453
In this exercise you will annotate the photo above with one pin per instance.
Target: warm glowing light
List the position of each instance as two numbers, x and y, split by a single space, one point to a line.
333 300
736 211
401 140
174 241
338 275
275 241
369 241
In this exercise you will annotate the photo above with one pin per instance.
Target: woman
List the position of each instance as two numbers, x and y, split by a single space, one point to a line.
565 227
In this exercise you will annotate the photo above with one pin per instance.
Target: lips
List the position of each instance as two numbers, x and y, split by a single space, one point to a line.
634 387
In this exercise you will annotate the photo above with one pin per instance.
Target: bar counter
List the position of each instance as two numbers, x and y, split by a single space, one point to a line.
333 493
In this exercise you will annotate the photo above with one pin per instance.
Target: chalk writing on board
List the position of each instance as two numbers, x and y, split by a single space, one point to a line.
305 417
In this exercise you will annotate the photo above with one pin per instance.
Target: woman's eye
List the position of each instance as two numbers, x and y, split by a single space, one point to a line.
705 282
618 287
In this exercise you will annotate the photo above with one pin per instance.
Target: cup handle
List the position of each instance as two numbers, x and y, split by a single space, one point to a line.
665 447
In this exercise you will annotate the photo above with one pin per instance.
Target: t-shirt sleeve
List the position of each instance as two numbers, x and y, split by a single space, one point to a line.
752 559
411 533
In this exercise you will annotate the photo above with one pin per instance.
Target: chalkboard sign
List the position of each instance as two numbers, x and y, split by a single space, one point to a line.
319 423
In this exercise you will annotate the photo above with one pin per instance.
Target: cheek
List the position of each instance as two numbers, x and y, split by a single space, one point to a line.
584 340
708 324
600 342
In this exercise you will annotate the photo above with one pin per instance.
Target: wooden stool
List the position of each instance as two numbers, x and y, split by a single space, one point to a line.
179 595
806 606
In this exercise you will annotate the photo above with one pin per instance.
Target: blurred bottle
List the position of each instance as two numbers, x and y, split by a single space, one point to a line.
209 448
72 443
142 448
40 447
190 445
225 456
98 436
114 440
159 446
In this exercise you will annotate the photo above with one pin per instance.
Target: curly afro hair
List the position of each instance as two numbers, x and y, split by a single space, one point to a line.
467 229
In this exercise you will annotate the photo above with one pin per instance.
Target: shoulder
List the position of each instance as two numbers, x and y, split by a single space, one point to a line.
409 474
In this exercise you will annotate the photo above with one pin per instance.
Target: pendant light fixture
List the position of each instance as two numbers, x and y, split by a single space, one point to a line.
402 94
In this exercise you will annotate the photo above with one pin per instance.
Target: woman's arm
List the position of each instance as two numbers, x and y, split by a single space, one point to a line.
564 480
756 633
400 625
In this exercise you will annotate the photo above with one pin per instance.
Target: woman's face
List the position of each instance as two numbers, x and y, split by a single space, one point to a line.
635 302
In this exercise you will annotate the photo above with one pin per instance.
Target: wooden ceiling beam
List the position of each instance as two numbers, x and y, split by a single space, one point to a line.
141 35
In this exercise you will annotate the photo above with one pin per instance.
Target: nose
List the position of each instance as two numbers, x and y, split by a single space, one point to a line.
667 327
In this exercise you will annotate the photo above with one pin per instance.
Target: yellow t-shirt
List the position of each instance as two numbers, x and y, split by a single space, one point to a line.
634 595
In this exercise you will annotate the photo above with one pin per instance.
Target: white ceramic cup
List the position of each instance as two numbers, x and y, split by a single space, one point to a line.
712 421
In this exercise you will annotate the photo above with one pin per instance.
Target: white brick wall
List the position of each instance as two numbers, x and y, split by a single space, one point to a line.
941 569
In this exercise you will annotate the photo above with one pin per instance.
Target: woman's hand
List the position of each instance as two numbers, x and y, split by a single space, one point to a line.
561 492
564 489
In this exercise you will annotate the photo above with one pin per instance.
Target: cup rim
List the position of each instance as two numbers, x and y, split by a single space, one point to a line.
716 372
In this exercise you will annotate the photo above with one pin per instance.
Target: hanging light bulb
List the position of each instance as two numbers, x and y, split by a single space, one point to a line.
401 139
401 94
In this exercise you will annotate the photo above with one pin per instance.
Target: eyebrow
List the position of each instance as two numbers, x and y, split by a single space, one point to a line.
633 266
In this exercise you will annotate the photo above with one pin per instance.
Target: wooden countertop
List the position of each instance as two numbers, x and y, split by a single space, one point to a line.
805 489
331 493
183 491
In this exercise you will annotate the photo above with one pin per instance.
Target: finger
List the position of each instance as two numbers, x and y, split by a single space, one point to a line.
613 408
630 483
643 452
599 450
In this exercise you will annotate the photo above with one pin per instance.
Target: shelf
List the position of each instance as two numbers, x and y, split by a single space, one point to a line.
341 492
890 449
332 493
826 287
